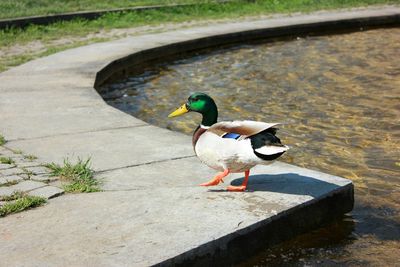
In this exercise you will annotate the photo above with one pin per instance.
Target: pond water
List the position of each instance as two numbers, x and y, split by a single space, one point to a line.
340 97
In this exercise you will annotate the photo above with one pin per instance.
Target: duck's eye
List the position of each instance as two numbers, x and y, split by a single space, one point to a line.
194 99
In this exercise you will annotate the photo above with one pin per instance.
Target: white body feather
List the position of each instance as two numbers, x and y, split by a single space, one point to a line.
235 155
225 153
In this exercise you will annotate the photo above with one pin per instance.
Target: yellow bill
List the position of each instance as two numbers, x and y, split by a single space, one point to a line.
181 110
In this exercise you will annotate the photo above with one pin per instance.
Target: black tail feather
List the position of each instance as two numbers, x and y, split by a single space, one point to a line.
266 138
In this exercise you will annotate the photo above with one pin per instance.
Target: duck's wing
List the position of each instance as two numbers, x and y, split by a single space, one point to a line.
242 128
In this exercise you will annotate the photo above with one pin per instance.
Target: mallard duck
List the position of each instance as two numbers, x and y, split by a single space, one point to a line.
230 146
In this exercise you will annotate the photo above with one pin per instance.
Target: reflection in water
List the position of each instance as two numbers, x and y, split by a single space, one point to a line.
340 98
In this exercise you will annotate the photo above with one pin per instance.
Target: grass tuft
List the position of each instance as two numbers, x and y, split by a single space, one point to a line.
6 160
2 140
79 175
19 201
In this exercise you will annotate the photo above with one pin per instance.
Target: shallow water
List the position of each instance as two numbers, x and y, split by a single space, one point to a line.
340 98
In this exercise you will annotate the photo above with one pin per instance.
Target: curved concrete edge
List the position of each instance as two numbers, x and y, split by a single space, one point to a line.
291 26
50 109
89 15
240 245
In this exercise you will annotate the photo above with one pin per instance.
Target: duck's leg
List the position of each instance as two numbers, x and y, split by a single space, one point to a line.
217 178
242 187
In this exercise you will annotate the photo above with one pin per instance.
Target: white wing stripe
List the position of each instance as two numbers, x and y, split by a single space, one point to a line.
271 150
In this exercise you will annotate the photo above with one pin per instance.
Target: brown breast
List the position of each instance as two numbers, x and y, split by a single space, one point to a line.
196 135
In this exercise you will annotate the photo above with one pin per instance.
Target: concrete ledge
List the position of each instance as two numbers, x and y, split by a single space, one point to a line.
240 245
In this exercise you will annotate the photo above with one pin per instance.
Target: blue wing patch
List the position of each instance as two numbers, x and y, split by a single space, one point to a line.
231 135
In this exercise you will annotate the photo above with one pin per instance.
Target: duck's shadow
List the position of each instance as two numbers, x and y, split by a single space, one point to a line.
286 183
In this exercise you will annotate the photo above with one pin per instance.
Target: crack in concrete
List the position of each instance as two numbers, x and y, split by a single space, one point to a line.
140 189
124 190
142 164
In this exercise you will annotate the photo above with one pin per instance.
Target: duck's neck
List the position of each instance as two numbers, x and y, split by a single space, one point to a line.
208 120
210 116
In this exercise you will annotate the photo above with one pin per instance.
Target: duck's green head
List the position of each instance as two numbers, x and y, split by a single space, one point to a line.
201 103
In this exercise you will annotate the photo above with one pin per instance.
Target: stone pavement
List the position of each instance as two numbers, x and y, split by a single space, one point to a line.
23 173
151 210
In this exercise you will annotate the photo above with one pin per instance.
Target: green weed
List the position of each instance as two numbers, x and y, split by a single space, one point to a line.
79 176
6 160
2 140
18 202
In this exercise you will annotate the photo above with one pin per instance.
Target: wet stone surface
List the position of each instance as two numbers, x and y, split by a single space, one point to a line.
24 173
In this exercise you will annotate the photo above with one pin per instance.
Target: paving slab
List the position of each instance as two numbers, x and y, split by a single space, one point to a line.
25 164
10 179
27 186
18 160
5 166
46 192
4 151
37 170
11 171
6 191
42 178
63 118
56 183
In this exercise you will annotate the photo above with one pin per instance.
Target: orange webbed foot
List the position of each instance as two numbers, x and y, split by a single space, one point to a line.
233 188
240 188
217 179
